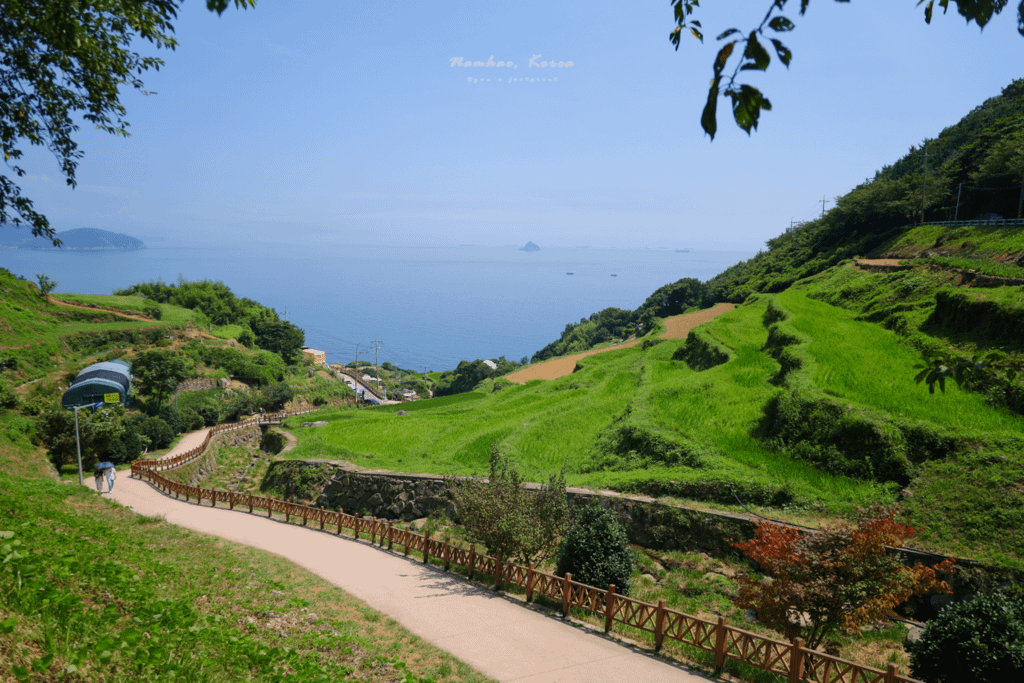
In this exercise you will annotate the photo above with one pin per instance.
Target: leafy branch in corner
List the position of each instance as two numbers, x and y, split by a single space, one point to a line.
747 101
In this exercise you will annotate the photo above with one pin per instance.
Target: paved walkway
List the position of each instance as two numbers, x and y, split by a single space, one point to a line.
490 632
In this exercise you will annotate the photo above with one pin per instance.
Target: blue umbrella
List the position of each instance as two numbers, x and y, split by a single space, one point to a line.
104 465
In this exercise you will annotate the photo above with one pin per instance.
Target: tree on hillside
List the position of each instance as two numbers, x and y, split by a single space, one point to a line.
281 337
61 61
511 521
834 579
46 285
753 55
159 373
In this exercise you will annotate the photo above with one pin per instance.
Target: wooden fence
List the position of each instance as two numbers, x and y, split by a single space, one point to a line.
186 457
790 660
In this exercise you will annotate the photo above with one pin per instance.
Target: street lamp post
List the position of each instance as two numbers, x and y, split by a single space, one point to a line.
78 446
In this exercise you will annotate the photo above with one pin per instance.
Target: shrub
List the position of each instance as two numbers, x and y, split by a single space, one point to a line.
172 416
508 519
191 420
596 551
154 432
152 310
208 412
275 396
981 641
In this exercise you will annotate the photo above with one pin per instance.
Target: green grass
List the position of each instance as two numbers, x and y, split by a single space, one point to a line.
871 366
982 266
985 241
88 588
226 331
171 314
547 424
715 415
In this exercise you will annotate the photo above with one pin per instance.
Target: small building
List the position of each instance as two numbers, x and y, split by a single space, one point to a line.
107 382
318 357
491 364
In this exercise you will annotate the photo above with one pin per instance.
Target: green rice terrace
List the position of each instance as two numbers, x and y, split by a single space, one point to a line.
801 403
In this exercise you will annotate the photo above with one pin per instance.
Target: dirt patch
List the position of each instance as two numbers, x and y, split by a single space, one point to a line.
878 261
676 327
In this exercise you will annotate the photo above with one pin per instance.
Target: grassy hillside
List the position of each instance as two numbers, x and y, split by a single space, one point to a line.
799 401
983 153
92 592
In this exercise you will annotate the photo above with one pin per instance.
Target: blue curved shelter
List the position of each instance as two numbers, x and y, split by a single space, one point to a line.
96 382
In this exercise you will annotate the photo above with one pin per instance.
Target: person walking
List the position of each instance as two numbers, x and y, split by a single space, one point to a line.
99 480
111 475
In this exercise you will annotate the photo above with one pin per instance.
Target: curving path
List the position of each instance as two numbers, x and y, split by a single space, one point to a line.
493 633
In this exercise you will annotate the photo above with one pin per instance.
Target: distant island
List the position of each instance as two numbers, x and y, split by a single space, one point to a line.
529 246
79 239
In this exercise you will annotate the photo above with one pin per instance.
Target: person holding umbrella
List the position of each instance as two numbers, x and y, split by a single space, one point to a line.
108 469
99 479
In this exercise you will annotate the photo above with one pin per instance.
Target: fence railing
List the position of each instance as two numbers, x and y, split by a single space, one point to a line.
792 660
183 458
980 221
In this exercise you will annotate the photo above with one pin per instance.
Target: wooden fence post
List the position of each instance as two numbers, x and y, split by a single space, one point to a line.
373 530
405 538
530 577
609 607
447 554
305 514
659 625
231 500
250 503
426 547
796 661
566 593
892 674
287 512
355 527
213 498
497 572
323 518
270 512
341 517
720 643
472 560
391 534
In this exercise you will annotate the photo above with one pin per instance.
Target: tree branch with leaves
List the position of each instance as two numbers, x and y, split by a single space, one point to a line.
64 60
747 101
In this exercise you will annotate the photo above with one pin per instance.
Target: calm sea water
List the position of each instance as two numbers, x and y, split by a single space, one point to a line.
428 306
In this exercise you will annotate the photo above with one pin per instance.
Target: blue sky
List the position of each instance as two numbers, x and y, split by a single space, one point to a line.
333 122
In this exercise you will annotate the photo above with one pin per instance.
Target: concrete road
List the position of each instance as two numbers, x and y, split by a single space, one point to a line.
495 634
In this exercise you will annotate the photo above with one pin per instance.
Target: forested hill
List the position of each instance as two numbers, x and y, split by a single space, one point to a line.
983 154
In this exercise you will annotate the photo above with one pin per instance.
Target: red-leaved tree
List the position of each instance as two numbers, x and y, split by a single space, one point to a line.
833 579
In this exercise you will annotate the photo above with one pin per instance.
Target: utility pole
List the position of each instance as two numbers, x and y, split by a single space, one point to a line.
376 363
1020 202
823 200
956 215
924 179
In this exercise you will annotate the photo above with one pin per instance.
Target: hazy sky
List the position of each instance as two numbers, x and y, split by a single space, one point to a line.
344 122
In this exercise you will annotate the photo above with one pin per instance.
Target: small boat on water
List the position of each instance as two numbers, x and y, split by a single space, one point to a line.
614 275
682 251
568 273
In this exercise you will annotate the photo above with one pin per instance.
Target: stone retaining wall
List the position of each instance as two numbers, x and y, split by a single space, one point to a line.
406 497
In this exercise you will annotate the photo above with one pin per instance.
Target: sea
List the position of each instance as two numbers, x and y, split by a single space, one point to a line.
418 307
